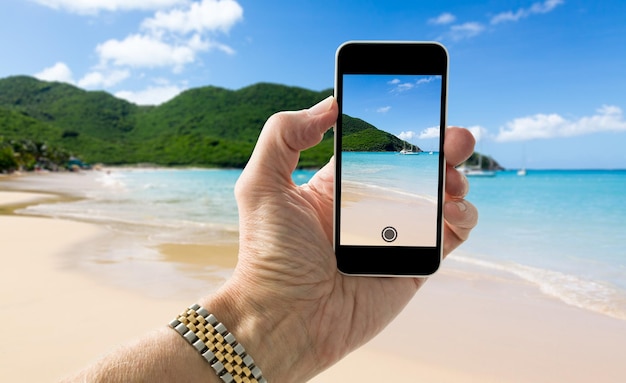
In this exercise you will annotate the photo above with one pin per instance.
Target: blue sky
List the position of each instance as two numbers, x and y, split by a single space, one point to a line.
540 83
406 106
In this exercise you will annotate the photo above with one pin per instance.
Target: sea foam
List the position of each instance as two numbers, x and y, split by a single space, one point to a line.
596 296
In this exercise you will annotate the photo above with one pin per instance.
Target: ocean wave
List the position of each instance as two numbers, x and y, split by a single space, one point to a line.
112 181
596 296
388 191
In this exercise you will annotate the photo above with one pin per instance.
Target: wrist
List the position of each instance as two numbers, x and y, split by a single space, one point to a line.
275 338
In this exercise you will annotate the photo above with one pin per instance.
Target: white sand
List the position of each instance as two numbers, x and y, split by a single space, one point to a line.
54 319
20 198
464 326
364 216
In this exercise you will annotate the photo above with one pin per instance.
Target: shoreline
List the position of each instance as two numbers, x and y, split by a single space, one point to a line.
468 324
121 256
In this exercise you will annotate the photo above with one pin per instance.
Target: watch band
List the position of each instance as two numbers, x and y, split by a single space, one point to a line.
218 346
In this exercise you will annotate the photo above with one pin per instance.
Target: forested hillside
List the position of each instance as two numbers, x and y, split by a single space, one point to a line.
207 126
360 136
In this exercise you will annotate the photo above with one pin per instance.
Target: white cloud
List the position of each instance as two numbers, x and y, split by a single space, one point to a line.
198 44
542 126
546 6
148 52
99 79
199 17
399 86
471 29
478 132
536 8
153 95
94 6
444 18
173 38
383 109
465 30
426 80
221 47
432 132
176 35
58 72
407 136
62 73
405 86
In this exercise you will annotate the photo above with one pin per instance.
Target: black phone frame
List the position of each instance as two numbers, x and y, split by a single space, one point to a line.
401 58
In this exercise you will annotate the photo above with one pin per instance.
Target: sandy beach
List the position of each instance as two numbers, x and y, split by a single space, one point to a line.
365 212
468 324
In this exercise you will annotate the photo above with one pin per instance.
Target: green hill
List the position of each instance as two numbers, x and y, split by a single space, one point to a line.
219 127
360 136
95 114
207 126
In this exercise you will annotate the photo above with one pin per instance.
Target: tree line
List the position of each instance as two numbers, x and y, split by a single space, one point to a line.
28 155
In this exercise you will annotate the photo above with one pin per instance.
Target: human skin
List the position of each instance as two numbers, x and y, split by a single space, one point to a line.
295 314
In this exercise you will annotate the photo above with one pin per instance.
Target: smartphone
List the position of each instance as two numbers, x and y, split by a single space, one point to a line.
390 165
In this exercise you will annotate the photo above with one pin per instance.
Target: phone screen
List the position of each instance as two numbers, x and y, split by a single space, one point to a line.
390 159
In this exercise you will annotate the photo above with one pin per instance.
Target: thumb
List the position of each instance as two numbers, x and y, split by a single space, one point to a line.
284 136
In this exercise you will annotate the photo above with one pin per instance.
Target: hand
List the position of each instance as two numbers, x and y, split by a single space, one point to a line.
286 302
286 281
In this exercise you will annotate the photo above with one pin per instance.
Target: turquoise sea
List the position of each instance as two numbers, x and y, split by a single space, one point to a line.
562 230
415 173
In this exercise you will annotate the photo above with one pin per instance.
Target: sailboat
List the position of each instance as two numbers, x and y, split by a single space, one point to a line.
407 151
476 171
473 172
522 171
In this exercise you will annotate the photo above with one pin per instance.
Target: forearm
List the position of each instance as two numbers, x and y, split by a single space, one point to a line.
163 355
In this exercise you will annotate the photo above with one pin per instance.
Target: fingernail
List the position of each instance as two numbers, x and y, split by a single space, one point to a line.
321 107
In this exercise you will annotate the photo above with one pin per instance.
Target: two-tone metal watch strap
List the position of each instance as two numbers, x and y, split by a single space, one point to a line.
218 346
